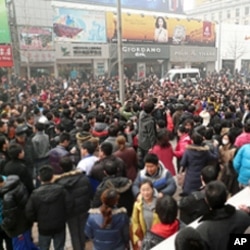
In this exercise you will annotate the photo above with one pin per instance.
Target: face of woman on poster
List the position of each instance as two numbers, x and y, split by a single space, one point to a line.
160 22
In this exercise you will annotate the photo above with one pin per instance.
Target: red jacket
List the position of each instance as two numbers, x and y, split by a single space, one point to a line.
166 156
181 145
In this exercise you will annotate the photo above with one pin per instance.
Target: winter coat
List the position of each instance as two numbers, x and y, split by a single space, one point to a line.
147 131
162 181
242 139
129 157
193 206
165 155
41 145
193 161
216 226
15 197
138 224
115 236
122 185
158 233
97 170
79 189
241 164
18 167
181 145
49 205
55 156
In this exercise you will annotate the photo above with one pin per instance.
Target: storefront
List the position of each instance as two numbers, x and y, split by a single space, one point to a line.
81 60
141 60
203 58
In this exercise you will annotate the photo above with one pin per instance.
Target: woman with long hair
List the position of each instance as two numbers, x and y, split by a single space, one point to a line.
163 149
108 226
128 155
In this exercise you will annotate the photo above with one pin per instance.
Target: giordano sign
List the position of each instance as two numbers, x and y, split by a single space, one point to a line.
143 51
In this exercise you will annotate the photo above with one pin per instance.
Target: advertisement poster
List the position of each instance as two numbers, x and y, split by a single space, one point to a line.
6 59
141 70
159 29
170 6
79 25
4 26
35 38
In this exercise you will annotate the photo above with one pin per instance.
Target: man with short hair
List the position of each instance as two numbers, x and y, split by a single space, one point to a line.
49 205
156 172
194 205
147 131
222 219
105 154
88 157
58 152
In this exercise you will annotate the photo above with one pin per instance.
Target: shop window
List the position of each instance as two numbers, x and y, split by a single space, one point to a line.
237 12
246 11
228 14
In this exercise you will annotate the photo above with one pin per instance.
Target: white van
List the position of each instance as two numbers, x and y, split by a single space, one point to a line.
175 74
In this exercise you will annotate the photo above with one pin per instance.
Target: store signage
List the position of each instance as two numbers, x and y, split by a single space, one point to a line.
6 59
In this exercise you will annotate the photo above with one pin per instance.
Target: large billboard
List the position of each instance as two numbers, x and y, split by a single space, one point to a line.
165 6
159 29
35 38
77 25
4 27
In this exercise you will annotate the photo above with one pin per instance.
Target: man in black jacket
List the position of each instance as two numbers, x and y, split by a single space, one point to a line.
121 184
49 205
147 131
79 189
222 220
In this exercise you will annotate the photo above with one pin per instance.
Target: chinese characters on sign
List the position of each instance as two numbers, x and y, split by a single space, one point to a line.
6 59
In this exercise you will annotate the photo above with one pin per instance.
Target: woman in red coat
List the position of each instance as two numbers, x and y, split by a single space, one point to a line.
184 140
163 149
128 155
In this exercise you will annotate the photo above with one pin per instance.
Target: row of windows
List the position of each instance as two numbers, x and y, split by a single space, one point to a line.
229 15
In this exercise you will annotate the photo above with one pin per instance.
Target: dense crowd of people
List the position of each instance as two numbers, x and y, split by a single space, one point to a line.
72 153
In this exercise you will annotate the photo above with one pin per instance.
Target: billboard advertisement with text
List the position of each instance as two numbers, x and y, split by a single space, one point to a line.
4 26
79 25
158 29
6 59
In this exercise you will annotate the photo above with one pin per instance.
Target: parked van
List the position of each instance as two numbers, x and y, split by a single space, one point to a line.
175 74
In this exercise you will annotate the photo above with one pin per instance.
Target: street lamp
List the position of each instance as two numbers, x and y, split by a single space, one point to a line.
119 52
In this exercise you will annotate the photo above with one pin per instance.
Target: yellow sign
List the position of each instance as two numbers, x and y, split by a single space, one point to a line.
159 29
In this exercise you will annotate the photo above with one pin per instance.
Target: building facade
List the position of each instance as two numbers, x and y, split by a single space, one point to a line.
78 39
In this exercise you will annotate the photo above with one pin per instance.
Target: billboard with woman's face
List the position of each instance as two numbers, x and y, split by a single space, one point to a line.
160 29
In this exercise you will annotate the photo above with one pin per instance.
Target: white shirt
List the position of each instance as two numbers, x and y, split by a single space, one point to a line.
86 163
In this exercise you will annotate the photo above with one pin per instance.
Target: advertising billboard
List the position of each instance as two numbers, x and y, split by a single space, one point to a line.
170 6
35 38
6 59
78 25
4 27
159 29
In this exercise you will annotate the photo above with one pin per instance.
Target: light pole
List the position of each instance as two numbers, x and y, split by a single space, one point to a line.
119 52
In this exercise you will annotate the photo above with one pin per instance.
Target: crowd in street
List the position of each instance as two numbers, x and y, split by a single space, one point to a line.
72 153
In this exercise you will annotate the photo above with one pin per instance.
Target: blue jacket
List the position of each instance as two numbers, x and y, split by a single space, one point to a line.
116 236
241 163
163 181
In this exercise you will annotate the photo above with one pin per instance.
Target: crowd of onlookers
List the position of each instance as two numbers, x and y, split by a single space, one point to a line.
72 153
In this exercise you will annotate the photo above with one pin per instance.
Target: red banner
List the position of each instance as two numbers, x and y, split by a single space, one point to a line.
6 59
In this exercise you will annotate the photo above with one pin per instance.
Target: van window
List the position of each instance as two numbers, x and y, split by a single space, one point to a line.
177 77
193 75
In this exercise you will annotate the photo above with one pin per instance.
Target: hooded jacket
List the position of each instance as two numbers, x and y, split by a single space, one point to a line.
122 185
15 197
49 205
78 187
